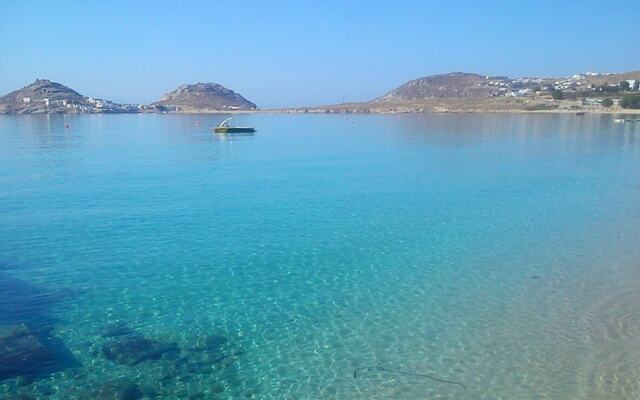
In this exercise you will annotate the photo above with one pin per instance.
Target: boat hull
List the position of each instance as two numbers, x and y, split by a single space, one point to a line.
232 129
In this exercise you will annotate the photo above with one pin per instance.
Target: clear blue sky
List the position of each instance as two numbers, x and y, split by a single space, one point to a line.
285 53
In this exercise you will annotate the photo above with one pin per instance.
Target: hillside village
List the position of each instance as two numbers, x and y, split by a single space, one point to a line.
469 92
574 87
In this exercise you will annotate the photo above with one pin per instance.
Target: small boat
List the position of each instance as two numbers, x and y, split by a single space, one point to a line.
224 128
580 113
619 120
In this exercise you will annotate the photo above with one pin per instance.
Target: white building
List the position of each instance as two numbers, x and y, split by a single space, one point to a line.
26 99
593 101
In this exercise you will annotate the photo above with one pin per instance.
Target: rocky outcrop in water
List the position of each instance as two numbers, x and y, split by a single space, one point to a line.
211 343
29 349
118 390
21 352
20 397
134 349
116 329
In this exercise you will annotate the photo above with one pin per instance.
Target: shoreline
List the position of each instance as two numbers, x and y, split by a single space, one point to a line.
515 111
363 111
448 106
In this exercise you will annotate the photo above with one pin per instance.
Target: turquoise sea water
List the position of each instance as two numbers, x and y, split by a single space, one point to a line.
326 257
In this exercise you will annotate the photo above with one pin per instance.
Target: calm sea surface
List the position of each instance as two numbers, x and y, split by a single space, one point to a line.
326 257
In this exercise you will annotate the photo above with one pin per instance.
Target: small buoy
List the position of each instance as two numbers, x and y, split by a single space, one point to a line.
66 125
197 123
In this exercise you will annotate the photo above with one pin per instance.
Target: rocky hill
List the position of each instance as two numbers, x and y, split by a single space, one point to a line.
44 96
39 97
469 86
596 92
204 96
452 85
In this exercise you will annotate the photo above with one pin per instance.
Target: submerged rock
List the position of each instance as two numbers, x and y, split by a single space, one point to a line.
135 349
149 391
21 352
20 397
116 329
217 389
211 343
46 389
22 303
215 342
118 390
214 349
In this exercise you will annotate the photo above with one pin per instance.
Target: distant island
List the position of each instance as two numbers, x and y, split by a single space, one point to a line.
452 92
46 97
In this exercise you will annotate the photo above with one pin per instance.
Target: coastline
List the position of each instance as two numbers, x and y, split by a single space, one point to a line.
458 105
317 111
620 111
438 106
369 108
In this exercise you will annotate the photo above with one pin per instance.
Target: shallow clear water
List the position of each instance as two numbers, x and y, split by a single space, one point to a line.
346 257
